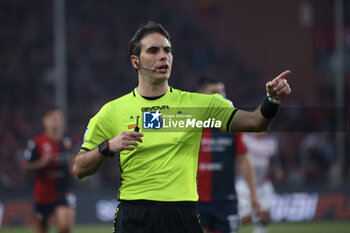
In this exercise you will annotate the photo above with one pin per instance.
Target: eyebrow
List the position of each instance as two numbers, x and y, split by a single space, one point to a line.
157 47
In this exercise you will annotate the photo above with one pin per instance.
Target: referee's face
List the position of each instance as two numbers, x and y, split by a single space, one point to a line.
155 58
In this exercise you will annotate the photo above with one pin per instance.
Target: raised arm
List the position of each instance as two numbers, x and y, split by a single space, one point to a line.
89 162
262 118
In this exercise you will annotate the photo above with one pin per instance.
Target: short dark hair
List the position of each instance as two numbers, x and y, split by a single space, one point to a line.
204 81
146 29
50 108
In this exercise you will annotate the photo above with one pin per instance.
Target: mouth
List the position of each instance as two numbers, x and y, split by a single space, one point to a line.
163 68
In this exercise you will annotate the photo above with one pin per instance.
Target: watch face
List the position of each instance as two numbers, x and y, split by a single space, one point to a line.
103 147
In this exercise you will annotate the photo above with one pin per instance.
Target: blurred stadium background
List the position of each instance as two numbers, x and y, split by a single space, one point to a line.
74 54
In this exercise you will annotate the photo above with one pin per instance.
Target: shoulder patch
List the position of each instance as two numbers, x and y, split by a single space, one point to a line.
86 131
228 101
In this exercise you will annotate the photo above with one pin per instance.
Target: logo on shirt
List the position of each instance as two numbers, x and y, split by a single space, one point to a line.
218 144
154 108
46 147
132 126
218 166
152 120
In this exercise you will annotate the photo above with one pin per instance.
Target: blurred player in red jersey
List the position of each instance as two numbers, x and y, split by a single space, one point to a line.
220 153
49 156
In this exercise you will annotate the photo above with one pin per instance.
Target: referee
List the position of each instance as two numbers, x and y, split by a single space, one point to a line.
158 188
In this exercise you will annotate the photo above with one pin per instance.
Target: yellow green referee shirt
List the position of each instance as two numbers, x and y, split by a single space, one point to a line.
164 166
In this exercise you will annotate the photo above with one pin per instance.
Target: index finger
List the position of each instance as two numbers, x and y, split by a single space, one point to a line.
283 75
135 134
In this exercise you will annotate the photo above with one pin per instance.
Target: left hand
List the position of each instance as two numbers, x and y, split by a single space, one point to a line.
278 88
254 202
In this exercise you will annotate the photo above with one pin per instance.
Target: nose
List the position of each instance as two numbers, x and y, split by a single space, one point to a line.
163 55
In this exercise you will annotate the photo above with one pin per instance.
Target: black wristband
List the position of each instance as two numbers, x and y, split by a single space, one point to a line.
269 110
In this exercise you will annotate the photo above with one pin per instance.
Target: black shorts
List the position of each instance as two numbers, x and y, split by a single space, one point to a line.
219 216
156 217
43 211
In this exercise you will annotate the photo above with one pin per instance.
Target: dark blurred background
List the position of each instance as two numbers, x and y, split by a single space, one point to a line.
244 43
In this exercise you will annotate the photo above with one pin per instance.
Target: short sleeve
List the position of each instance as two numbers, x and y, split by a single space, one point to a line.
241 147
97 130
222 109
31 152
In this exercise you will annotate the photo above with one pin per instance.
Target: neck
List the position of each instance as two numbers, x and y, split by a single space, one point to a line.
154 89
55 135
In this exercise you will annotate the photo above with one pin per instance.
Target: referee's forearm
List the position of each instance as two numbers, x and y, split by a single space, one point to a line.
246 121
87 163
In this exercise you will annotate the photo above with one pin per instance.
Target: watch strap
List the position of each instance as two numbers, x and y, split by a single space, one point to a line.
103 148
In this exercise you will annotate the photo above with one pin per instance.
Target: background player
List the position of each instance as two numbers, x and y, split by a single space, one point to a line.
218 155
261 149
49 155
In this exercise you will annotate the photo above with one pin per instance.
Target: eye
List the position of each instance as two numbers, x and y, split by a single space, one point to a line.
153 50
167 50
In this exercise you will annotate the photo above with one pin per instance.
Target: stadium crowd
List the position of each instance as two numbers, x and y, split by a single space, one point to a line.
98 69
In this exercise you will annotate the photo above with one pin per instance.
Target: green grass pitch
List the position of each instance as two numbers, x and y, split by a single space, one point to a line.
304 227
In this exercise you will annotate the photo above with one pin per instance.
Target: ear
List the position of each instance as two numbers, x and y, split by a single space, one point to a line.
135 62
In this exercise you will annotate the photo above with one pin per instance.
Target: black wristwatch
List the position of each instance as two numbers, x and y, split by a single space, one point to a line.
103 148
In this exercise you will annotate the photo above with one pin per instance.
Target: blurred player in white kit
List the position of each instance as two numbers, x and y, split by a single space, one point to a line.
262 148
